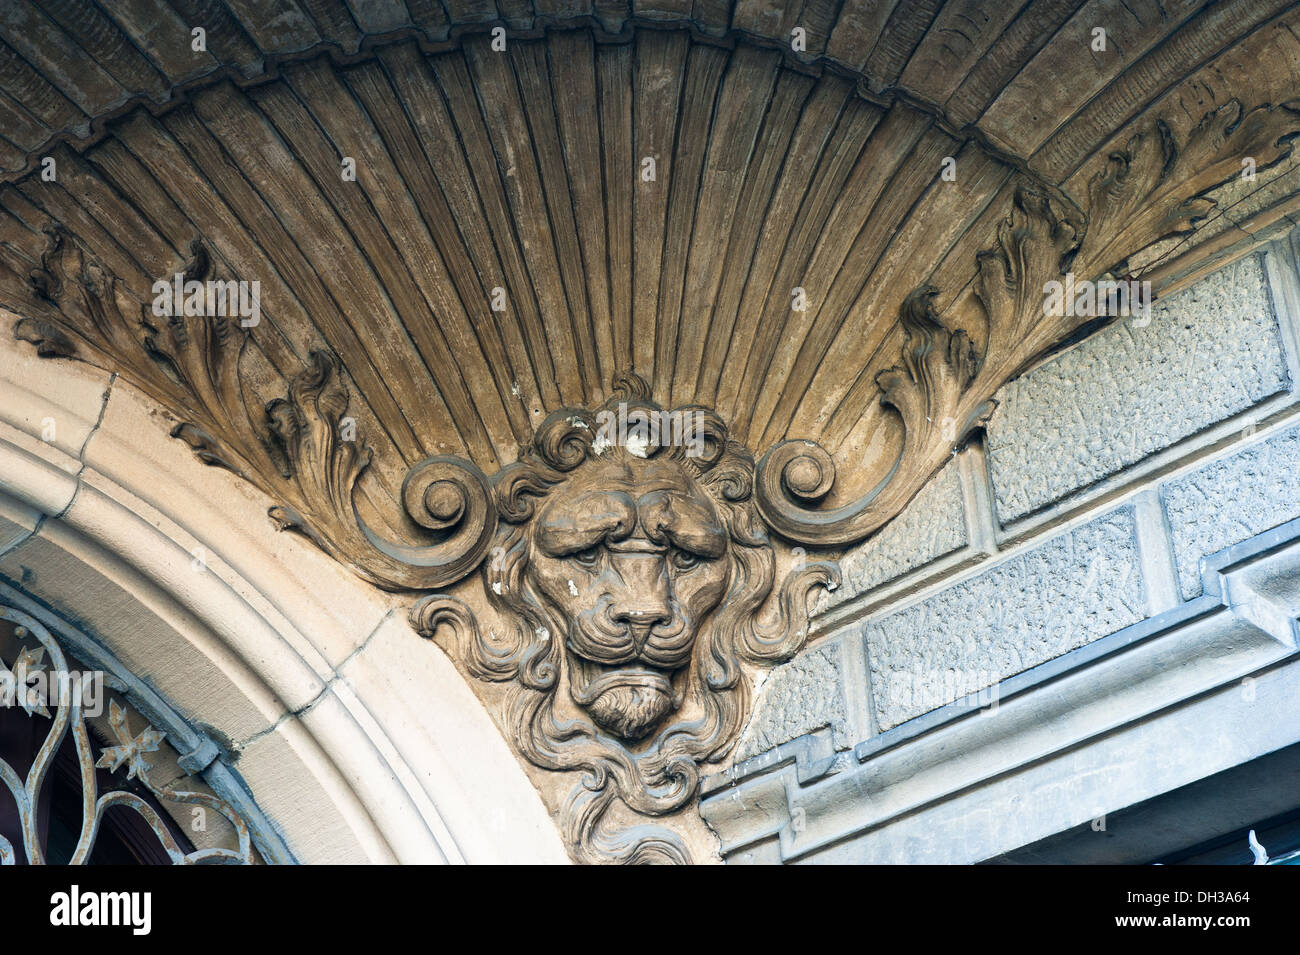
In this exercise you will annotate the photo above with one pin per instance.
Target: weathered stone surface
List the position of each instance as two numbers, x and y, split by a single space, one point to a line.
932 526
1230 500
1239 200
1073 588
797 698
1208 352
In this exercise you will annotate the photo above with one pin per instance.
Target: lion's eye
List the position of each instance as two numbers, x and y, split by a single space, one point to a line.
588 557
682 560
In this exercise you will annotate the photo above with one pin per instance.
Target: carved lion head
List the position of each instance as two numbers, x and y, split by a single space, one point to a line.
630 559
630 569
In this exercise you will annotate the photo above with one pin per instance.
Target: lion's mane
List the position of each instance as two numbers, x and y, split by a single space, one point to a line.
661 774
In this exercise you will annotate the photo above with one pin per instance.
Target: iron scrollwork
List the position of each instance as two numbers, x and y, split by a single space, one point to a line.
39 681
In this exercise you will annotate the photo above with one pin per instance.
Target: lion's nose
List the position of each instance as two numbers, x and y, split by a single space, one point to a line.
644 601
643 616
641 621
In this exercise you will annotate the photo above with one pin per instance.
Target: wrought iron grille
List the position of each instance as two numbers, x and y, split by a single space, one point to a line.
114 756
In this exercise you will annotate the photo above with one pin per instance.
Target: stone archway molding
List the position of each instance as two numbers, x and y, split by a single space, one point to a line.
104 522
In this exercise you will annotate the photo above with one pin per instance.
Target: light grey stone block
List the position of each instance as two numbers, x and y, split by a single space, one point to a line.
796 698
1230 500
1093 737
932 526
1068 591
1209 352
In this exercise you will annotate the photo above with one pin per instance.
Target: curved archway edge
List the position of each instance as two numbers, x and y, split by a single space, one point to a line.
360 742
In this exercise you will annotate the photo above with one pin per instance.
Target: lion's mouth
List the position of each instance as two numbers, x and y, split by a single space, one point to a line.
593 685
658 646
627 701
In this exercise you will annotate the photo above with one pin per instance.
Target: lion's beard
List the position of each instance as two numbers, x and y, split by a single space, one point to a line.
630 712
625 702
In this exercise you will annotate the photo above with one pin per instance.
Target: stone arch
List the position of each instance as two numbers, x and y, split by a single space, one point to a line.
176 570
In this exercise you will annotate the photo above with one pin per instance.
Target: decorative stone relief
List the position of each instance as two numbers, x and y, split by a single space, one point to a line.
633 576
944 389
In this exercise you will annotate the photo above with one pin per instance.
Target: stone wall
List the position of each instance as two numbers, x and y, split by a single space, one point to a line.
1107 475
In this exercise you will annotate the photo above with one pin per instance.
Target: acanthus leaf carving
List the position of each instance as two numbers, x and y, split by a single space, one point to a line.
1155 187
1036 242
294 449
49 340
943 391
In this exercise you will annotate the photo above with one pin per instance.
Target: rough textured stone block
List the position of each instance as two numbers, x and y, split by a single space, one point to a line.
1068 591
1230 500
797 698
932 526
1209 352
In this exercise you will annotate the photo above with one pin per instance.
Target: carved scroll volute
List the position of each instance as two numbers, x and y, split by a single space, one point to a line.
452 497
943 390
928 390
299 449
448 496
